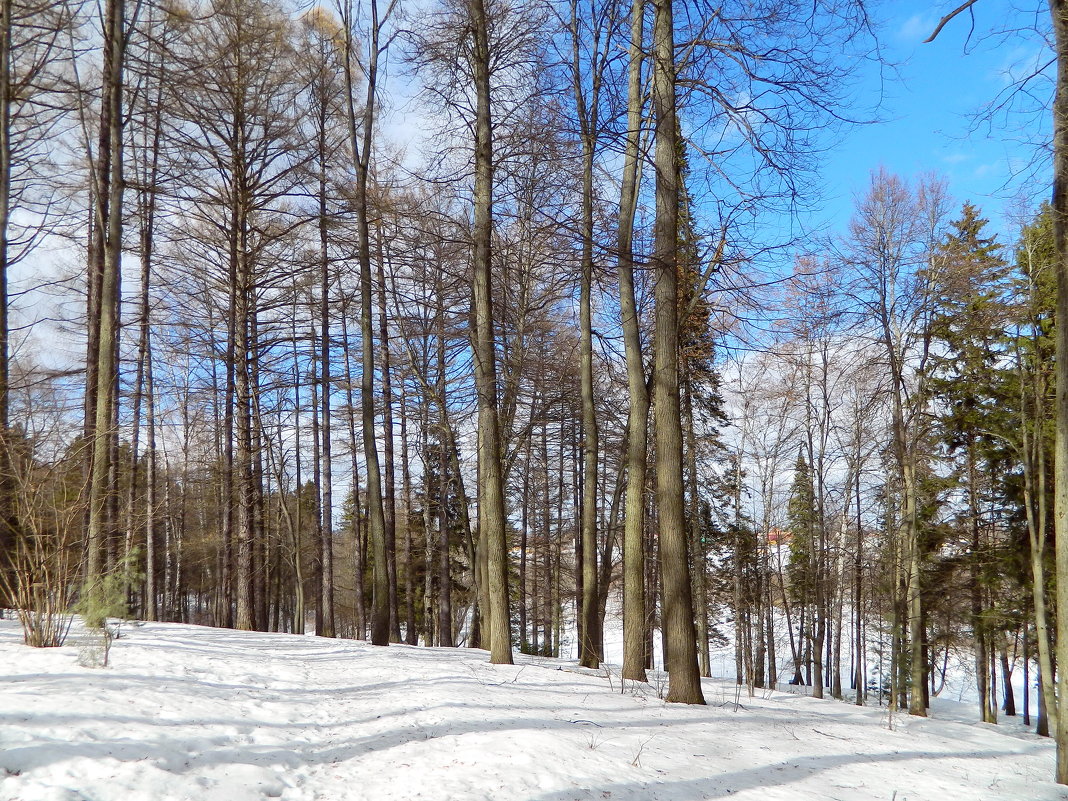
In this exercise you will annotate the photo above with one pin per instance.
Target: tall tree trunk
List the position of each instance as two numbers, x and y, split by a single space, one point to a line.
838 603
987 714
608 547
634 613
260 534
411 637
146 201
143 371
361 149
8 518
244 577
524 551
546 535
678 624
1037 507
229 510
1009 704
151 590
1059 13
296 520
589 630
917 634
328 628
109 221
357 536
429 627
700 578
389 501
912 670
445 635
491 510
859 654
317 485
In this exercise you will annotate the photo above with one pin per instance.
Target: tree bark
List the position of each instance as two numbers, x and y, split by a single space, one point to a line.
389 499
589 630
410 635
1059 14
109 222
326 600
678 624
700 578
8 521
445 635
245 614
491 510
361 150
1037 508
634 614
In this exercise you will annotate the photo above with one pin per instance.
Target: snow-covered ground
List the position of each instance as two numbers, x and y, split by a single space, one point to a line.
212 715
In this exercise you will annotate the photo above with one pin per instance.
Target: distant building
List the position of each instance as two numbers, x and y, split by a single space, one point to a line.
779 537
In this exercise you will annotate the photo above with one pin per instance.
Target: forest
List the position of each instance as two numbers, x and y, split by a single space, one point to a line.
477 322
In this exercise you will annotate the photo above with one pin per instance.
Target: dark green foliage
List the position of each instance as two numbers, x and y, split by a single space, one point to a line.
802 523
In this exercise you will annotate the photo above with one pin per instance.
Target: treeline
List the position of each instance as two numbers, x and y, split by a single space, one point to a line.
475 394
895 440
316 384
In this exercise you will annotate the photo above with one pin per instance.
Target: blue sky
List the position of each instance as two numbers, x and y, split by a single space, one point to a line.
928 107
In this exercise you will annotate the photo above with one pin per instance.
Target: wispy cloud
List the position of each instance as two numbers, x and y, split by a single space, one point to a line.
917 28
1022 63
989 169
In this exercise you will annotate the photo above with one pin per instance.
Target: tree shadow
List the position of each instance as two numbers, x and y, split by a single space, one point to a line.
764 777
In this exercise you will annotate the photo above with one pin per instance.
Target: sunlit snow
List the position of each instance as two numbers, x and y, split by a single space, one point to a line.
213 715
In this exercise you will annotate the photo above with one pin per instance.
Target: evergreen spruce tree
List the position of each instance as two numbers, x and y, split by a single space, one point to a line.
801 567
971 278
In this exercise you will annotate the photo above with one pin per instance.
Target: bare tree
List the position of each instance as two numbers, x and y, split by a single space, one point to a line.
239 128
32 113
893 236
362 145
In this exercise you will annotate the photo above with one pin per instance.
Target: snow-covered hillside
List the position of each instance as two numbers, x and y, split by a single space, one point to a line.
212 715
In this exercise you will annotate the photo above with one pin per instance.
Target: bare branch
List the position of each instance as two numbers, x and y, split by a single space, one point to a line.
948 18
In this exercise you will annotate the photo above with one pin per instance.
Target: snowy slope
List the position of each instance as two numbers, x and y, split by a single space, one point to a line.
212 715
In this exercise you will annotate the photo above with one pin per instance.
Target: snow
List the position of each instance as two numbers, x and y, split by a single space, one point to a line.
195 713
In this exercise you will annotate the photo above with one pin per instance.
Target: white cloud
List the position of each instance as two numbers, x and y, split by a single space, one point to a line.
917 28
